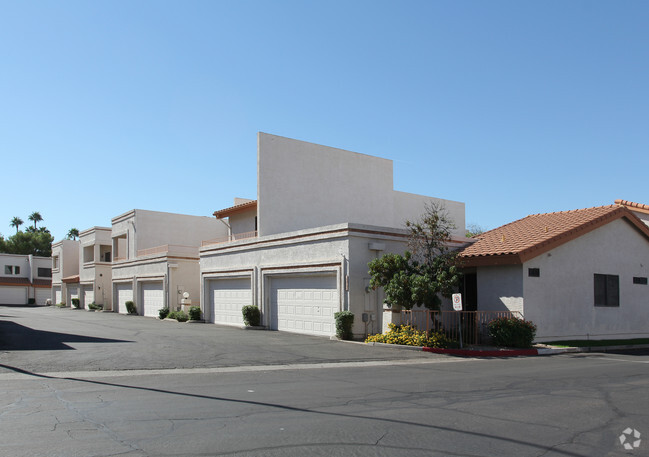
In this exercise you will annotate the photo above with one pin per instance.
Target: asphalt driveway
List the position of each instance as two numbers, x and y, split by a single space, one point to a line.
49 339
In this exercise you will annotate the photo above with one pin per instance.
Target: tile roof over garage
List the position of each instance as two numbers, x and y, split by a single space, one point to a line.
526 238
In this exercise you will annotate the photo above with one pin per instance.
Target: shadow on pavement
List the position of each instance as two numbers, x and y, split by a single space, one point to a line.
449 428
16 337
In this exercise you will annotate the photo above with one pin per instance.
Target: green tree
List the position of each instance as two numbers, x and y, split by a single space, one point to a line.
426 271
474 230
36 243
16 222
35 217
73 234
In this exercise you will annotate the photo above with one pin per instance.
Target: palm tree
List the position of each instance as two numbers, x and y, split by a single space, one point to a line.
35 217
73 234
16 222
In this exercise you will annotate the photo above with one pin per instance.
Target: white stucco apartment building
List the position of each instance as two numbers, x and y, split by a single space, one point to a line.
25 279
300 250
155 258
65 271
95 266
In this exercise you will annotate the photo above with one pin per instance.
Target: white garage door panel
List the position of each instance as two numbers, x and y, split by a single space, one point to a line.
227 297
13 295
57 296
88 295
42 295
73 292
152 298
124 293
305 304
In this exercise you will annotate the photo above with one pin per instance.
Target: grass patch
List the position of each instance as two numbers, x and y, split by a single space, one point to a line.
597 343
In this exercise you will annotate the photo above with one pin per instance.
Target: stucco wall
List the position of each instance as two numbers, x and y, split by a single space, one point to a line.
149 229
500 288
185 273
343 248
304 185
561 300
243 222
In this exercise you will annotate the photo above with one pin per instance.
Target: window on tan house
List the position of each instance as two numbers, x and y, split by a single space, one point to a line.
9 270
16 270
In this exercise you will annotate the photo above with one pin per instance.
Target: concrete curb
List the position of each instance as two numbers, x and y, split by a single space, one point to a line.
507 352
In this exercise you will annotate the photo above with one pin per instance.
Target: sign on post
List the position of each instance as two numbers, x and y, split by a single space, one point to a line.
457 302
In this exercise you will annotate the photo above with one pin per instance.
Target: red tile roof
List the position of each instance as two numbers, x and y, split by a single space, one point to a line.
633 206
241 207
10 281
526 238
71 279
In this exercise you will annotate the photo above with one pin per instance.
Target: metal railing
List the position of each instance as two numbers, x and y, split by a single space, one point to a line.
473 323
233 237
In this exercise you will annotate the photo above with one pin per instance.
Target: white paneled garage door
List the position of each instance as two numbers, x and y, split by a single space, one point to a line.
73 292
88 295
227 297
304 304
12 295
152 294
123 293
42 295
58 297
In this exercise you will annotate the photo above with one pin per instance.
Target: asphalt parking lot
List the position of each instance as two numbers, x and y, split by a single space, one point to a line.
49 339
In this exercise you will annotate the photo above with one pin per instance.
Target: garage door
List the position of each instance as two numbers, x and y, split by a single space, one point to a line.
227 297
42 295
304 304
88 295
73 292
152 298
58 297
11 295
123 293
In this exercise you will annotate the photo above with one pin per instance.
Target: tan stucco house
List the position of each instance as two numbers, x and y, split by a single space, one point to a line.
578 274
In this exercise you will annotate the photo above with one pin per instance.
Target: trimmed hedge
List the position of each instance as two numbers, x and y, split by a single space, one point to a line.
180 316
163 313
130 307
512 332
75 302
195 313
251 315
344 323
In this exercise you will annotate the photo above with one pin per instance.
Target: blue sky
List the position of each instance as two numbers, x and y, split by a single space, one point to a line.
512 107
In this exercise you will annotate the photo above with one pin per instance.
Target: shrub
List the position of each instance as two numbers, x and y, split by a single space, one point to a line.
195 313
31 301
130 307
94 306
512 332
409 336
163 313
251 315
180 316
61 305
344 322
75 302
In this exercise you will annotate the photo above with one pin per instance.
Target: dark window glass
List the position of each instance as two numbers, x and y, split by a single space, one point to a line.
607 290
45 272
534 272
640 280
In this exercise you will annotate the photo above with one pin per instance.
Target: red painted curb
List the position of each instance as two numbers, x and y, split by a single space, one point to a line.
470 353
